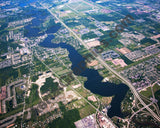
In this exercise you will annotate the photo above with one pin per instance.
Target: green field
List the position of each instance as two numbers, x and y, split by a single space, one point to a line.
148 92
89 35
86 111
63 72
80 6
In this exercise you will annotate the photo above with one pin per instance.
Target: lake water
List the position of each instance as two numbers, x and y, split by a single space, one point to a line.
94 79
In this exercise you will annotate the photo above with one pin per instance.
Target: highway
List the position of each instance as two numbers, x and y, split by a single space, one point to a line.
107 66
141 110
76 91
138 112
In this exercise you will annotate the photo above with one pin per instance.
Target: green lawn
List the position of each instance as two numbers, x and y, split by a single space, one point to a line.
89 35
148 92
86 111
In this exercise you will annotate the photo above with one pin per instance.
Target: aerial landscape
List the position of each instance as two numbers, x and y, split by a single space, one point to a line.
79 64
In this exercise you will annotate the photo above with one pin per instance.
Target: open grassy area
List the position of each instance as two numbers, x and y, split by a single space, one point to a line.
156 88
89 35
106 100
82 91
86 111
83 7
57 69
148 92
62 72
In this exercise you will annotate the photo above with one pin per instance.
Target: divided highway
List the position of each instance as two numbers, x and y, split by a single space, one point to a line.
107 66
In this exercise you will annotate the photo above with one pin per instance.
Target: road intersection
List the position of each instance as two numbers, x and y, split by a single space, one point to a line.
134 91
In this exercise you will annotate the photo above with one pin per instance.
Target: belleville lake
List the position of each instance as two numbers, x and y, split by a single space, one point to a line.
94 79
